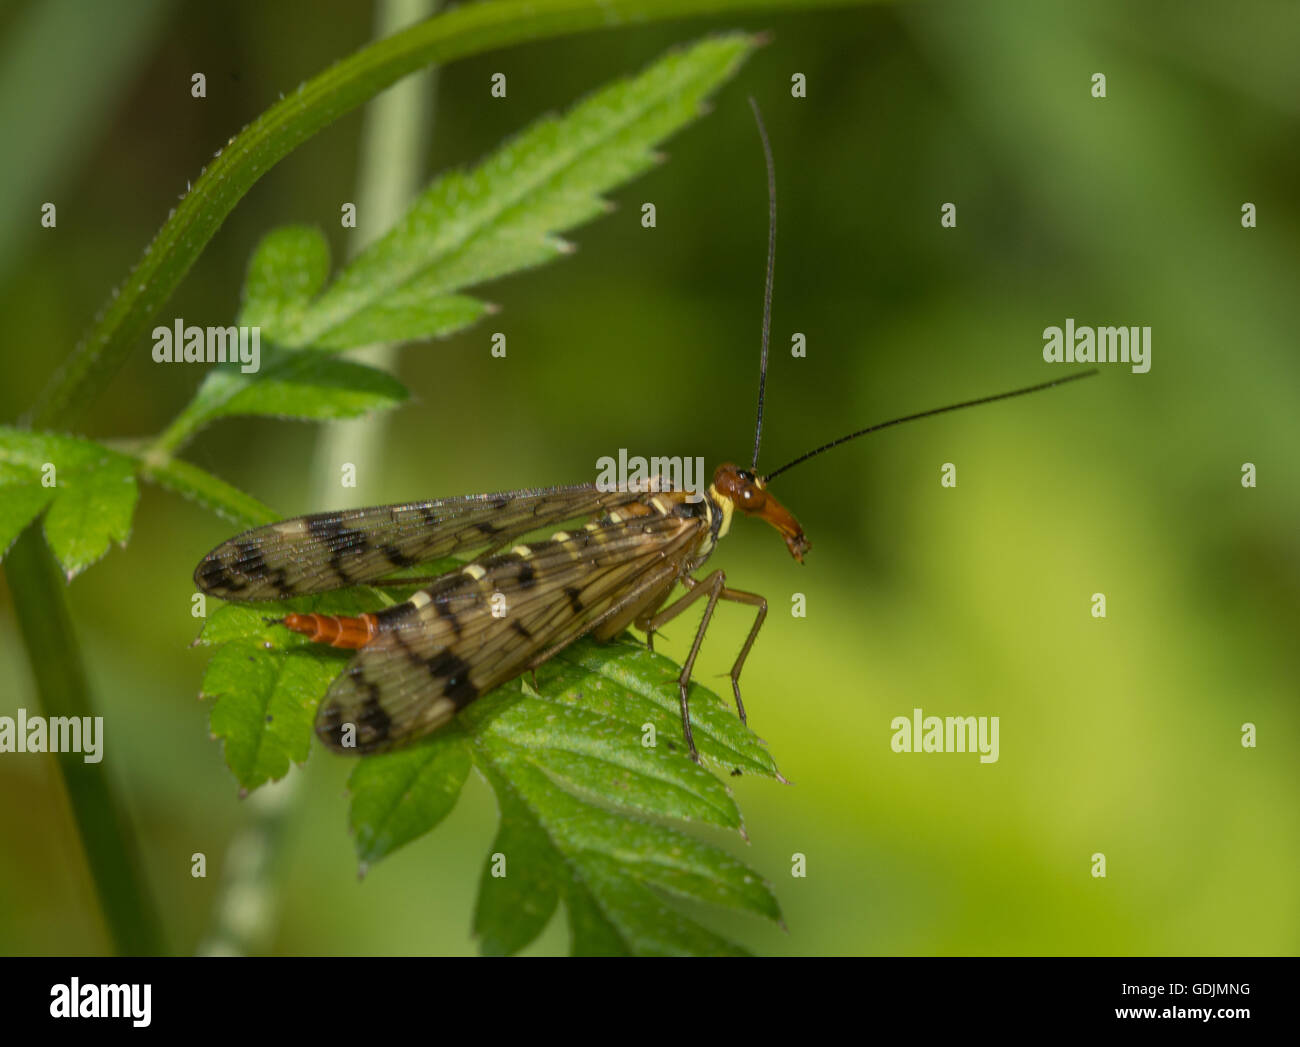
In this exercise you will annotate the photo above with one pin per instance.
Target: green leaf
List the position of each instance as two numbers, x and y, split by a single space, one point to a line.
408 314
265 706
20 504
505 214
314 388
287 270
291 385
610 870
401 795
560 757
90 504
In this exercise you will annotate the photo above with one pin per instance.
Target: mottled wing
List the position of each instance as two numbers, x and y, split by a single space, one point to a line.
310 554
444 647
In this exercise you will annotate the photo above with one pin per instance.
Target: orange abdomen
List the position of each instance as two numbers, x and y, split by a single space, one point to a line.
334 630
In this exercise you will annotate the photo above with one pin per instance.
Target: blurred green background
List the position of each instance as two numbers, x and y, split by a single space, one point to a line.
1119 736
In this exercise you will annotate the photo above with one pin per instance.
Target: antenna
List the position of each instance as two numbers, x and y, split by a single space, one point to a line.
771 263
923 414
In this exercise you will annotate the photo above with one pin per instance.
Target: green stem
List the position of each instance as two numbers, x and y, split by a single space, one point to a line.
217 389
106 834
466 30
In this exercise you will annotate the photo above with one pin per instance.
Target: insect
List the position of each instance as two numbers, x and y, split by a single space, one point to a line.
516 603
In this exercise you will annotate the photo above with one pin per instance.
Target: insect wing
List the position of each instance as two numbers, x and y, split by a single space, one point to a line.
445 646
312 554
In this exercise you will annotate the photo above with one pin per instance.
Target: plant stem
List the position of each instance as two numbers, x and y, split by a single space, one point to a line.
106 834
218 387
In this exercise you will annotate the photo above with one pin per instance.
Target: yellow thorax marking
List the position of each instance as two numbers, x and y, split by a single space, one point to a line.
726 505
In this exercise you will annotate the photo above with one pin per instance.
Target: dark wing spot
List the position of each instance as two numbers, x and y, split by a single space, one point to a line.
455 672
212 577
521 629
446 612
527 576
396 557
486 528
251 562
332 532
323 527
575 598
373 725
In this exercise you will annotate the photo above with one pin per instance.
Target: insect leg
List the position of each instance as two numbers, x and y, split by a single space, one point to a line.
751 600
712 586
